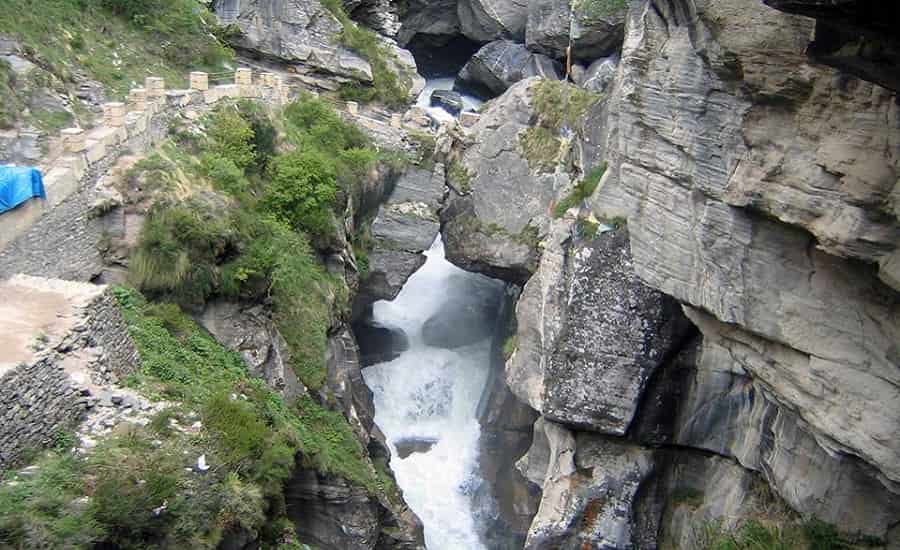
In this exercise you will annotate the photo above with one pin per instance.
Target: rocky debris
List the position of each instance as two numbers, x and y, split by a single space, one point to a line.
61 344
494 221
249 330
405 226
586 316
378 344
469 314
486 20
596 30
448 100
500 64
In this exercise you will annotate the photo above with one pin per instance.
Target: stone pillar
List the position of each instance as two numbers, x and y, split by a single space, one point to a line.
396 120
156 87
73 140
353 107
243 77
199 81
137 99
114 114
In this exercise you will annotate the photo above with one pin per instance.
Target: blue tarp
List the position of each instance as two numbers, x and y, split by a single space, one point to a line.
18 184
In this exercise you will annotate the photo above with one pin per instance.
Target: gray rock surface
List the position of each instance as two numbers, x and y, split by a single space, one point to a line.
298 31
585 317
248 330
598 77
486 20
494 226
435 18
596 30
467 316
500 64
406 225
448 100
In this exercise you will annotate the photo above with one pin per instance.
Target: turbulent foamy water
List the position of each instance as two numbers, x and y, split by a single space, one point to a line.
424 99
432 393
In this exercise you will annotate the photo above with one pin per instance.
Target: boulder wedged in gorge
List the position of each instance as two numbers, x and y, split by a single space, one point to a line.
500 64
486 20
590 334
593 29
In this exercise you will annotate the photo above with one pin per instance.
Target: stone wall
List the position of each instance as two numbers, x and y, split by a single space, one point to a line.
79 343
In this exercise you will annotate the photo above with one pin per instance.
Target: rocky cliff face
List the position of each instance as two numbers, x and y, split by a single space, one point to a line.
760 189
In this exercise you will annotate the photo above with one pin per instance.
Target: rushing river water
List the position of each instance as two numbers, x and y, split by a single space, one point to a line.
429 395
444 83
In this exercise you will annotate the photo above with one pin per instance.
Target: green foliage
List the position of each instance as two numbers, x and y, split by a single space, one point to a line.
558 106
582 190
542 148
459 177
588 10
10 104
824 536
425 147
388 87
117 42
587 228
509 346
301 191
225 174
232 138
178 250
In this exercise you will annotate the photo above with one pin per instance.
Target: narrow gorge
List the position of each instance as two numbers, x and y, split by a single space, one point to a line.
450 274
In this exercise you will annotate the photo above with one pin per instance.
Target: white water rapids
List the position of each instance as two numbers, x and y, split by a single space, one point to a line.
470 103
430 393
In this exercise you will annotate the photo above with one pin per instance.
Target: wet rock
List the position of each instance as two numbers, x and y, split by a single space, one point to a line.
406 447
493 225
448 100
345 382
468 316
405 226
500 64
598 77
432 18
378 344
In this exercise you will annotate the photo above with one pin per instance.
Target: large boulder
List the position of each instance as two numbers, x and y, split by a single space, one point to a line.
595 29
468 315
448 100
585 316
500 64
493 223
598 77
486 20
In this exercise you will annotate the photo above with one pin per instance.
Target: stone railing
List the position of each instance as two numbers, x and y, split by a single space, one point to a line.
135 125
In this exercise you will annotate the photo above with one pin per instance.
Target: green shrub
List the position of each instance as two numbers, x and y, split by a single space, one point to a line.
231 137
301 191
542 148
225 174
509 346
459 177
559 109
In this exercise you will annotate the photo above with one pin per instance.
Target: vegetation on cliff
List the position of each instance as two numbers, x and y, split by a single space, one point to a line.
141 488
253 237
74 45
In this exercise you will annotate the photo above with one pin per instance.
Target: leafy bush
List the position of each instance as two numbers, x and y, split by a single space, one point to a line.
231 137
301 191
225 174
